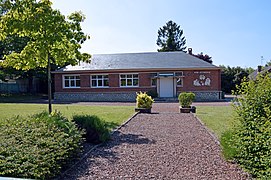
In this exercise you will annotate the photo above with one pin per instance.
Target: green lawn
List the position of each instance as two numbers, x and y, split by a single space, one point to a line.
221 121
218 119
116 114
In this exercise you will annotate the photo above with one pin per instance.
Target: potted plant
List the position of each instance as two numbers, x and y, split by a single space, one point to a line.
186 99
143 103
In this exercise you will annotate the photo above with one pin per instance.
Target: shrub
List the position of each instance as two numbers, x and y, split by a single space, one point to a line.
186 99
253 138
37 146
97 130
152 93
143 100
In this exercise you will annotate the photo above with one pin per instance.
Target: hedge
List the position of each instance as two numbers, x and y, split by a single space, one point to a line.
37 146
252 140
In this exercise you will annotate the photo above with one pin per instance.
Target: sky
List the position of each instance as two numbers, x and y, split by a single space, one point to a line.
232 32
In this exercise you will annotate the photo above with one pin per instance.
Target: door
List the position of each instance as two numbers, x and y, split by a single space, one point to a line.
166 87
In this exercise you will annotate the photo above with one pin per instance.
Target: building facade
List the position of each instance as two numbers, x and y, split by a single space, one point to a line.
117 77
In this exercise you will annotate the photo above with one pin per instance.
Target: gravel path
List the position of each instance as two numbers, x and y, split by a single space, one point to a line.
158 146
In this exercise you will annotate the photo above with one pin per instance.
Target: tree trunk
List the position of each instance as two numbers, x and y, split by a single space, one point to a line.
49 85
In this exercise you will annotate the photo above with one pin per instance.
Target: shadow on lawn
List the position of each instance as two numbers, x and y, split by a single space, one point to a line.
105 153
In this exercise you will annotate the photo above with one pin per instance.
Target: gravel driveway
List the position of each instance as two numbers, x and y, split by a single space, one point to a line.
164 145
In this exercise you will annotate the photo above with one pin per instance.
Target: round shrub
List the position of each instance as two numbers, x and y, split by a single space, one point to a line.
37 146
186 99
143 100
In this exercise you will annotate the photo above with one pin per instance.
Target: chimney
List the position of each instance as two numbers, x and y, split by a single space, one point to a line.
190 51
259 68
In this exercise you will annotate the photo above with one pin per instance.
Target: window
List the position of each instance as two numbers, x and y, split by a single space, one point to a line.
72 81
179 81
179 74
129 80
99 81
153 82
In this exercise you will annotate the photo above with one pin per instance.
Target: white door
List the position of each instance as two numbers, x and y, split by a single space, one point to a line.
166 87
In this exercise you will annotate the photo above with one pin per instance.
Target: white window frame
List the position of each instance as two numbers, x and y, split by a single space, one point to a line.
74 79
97 79
126 84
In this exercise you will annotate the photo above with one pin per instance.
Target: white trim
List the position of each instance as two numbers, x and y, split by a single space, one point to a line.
69 75
99 79
128 78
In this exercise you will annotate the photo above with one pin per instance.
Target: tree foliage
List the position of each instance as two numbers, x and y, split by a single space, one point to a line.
49 32
232 76
52 37
205 57
170 38
252 139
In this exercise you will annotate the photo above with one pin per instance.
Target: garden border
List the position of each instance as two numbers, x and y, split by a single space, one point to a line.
95 146
208 130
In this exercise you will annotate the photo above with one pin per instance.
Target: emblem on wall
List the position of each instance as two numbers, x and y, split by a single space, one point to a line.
202 81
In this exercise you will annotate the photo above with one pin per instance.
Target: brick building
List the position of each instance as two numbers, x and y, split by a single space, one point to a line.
117 77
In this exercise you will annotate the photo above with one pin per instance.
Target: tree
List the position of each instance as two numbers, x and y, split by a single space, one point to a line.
268 63
205 57
232 76
14 43
170 38
52 37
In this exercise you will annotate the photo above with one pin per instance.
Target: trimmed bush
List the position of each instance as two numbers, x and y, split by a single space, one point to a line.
186 99
143 100
97 130
37 146
253 138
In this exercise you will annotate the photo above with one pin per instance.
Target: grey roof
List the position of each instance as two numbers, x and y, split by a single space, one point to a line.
151 60
254 74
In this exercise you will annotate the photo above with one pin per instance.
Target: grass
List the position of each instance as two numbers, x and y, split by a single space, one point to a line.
116 114
220 120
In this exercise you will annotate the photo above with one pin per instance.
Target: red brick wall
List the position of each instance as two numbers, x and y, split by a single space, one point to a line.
144 82
84 81
114 84
191 76
58 82
114 80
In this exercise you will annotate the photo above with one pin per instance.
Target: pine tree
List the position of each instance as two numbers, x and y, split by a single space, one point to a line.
170 38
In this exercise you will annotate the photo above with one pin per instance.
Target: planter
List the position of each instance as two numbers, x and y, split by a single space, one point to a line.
143 110
191 109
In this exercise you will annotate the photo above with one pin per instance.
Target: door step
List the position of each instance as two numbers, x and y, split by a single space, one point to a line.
166 99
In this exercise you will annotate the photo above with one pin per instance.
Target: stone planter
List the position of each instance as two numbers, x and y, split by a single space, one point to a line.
191 109
143 110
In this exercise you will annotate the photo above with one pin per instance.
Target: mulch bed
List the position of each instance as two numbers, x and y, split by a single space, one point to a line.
158 146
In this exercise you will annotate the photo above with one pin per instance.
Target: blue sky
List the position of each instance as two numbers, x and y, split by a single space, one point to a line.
232 32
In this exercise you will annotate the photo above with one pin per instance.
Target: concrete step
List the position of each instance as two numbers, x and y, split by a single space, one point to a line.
166 99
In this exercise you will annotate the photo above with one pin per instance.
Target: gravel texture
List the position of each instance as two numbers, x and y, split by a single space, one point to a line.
162 145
